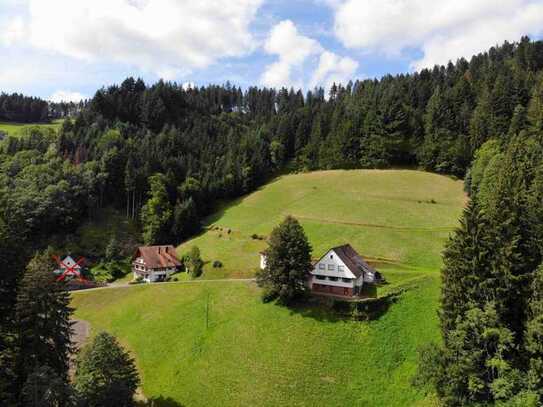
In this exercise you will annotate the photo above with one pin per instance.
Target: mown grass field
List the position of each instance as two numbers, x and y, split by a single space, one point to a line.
13 129
255 354
399 218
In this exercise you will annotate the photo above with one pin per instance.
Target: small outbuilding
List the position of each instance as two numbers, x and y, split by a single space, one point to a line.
155 263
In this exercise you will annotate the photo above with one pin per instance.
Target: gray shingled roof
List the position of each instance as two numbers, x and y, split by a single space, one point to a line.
356 264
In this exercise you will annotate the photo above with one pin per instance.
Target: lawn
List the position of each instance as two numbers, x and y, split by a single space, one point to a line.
14 129
397 216
250 353
255 354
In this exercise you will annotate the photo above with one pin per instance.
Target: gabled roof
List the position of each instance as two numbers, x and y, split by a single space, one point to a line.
354 262
69 262
158 256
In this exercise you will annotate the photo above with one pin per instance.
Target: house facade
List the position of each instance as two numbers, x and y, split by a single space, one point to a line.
341 272
155 263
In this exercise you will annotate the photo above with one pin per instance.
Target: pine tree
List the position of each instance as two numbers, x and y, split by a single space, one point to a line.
534 335
477 360
288 262
106 375
468 254
42 320
535 107
44 388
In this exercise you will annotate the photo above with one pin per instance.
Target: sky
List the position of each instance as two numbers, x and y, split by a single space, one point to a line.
67 49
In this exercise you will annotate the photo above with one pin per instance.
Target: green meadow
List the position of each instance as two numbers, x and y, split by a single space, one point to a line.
14 129
396 218
214 343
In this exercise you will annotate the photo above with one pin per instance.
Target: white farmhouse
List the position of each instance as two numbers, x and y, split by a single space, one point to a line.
155 263
342 272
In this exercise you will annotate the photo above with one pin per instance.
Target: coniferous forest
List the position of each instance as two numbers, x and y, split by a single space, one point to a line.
166 155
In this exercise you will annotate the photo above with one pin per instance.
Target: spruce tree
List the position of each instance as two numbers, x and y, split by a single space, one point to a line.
42 320
44 388
288 262
534 335
106 375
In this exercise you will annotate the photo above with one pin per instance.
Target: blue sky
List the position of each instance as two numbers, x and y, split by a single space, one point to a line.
66 49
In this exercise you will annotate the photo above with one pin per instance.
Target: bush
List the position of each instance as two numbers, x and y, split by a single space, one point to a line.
217 264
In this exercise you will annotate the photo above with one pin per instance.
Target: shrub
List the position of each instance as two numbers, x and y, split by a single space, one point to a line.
217 264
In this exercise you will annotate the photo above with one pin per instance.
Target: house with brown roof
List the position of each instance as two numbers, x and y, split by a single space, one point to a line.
341 272
155 263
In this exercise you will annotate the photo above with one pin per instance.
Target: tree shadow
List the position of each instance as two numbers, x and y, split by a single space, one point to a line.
333 309
159 402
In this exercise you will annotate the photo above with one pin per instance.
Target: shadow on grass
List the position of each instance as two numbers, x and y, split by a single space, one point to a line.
331 309
159 402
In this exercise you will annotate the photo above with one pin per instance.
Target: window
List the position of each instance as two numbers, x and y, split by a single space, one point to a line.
321 277
331 267
322 266
333 278
331 256
346 280
341 269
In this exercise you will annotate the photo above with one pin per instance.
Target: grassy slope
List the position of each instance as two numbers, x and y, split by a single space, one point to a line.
263 354
383 214
15 128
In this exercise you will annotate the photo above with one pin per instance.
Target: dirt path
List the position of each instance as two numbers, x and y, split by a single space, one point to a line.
81 331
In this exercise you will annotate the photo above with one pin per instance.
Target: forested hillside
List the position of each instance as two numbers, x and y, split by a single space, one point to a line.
165 155
191 147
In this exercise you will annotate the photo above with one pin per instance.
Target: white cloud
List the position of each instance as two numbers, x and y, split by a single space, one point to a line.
443 30
13 32
294 51
292 48
167 37
66 96
333 69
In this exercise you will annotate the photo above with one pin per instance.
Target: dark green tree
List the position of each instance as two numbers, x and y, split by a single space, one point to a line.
106 375
43 320
534 336
44 388
288 262
157 213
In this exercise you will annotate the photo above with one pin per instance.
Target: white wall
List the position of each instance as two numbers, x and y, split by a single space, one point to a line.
340 270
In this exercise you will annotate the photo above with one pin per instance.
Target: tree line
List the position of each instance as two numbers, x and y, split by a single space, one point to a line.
19 108
492 292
